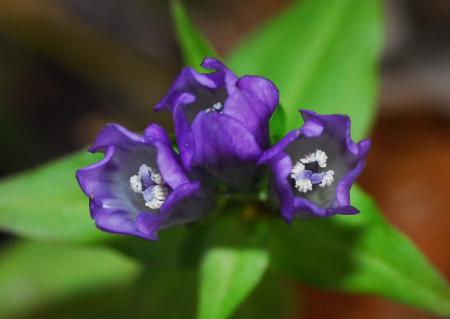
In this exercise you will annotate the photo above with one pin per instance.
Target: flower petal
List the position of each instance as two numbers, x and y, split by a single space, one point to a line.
169 166
253 103
222 75
188 79
113 203
331 135
120 222
281 166
184 205
115 135
221 141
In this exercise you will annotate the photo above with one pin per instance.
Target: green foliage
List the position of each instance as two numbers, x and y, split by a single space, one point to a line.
273 298
194 46
228 276
33 275
47 203
322 56
277 124
360 253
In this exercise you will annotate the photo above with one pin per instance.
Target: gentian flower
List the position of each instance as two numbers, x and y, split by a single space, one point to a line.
140 186
221 121
315 166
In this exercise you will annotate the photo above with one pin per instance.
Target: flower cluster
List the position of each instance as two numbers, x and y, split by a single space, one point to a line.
222 133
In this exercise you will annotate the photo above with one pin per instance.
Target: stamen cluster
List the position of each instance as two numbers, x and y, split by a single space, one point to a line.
150 184
305 179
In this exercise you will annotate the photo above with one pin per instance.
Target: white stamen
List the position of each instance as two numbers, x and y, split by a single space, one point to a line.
155 176
218 107
304 185
321 158
328 179
318 156
310 158
136 184
160 193
298 167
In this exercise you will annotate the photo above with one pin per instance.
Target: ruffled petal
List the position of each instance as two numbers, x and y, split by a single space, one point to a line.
328 133
279 147
114 205
188 80
281 166
222 74
120 222
115 135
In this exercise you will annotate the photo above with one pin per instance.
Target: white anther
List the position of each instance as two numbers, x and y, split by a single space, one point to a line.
328 179
298 167
310 158
155 176
136 184
303 185
217 106
159 190
321 158
318 156
159 193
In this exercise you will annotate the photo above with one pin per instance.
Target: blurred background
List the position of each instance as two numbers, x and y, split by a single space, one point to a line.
67 67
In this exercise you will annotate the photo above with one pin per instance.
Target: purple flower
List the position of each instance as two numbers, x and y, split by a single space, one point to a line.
221 121
315 166
139 186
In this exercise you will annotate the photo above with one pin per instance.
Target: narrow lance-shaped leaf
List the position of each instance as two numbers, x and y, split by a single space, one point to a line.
46 203
194 47
322 56
360 253
228 275
34 275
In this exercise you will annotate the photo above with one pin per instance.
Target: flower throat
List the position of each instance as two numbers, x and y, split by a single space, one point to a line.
309 171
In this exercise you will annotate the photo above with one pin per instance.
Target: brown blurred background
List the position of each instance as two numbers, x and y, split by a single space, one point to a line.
69 66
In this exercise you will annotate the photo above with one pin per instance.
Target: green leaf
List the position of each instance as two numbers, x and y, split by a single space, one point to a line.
194 46
47 203
34 275
274 298
360 253
277 124
169 293
322 56
227 277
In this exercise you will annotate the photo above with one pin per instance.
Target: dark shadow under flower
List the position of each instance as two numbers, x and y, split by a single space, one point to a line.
221 121
140 186
315 166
